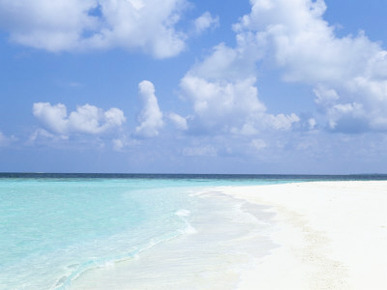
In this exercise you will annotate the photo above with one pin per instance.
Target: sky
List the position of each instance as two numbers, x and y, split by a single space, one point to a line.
193 86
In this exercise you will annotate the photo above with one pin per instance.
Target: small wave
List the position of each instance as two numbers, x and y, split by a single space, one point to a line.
183 213
65 282
189 230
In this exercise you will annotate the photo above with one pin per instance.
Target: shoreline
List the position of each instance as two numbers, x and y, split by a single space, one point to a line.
316 235
219 243
332 235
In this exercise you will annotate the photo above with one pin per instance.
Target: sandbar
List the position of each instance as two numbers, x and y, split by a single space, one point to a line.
305 235
331 235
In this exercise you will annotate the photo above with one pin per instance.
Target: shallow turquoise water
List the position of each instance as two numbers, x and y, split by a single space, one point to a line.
54 229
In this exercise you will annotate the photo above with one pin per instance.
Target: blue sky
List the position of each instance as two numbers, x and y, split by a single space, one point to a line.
179 86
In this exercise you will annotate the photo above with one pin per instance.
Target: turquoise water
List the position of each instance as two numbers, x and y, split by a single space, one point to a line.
52 230
55 229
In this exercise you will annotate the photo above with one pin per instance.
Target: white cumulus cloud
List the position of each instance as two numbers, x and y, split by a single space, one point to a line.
348 73
223 91
281 121
68 25
179 121
205 21
150 118
86 119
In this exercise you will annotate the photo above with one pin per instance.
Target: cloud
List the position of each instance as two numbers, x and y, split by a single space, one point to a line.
5 140
348 117
220 103
179 121
204 22
206 150
118 144
281 121
348 73
223 91
258 144
225 63
150 118
86 119
73 25
54 117
123 142
42 134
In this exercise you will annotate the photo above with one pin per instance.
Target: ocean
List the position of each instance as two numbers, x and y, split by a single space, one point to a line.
98 231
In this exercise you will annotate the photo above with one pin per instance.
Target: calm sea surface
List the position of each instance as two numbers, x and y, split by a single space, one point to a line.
54 227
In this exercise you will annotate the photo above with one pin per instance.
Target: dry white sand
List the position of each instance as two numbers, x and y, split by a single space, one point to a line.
331 235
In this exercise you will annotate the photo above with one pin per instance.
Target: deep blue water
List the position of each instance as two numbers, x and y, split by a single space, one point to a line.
198 177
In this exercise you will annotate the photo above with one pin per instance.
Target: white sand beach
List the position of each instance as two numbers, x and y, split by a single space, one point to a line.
332 235
327 235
